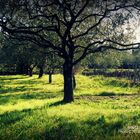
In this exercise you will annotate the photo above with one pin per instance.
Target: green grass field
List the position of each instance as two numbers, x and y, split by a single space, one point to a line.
104 108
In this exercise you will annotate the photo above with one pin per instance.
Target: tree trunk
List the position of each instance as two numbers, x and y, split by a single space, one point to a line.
30 72
40 72
25 69
74 82
68 82
50 77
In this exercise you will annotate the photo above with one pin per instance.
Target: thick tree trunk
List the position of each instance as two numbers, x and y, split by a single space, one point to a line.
74 82
40 72
50 77
68 82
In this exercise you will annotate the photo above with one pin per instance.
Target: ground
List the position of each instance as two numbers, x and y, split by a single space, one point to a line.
104 108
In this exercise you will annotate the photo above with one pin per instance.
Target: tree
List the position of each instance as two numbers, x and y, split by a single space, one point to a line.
53 63
107 59
76 28
41 65
49 63
135 62
7 59
23 59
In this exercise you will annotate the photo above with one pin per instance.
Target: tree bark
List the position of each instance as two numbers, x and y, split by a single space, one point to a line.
40 72
74 82
68 82
50 77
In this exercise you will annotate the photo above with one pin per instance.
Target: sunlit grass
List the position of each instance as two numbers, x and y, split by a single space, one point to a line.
31 108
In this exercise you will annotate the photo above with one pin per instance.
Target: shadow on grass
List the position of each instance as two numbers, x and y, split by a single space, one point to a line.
119 83
88 129
13 90
106 95
6 77
58 103
111 94
30 82
61 127
115 94
9 118
19 81
12 98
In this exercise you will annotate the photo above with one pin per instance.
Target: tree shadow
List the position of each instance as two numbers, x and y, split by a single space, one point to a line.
32 82
105 95
90 128
6 77
58 103
93 126
9 118
13 90
118 83
27 96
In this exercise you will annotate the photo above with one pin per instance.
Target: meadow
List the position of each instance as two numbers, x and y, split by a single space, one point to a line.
104 109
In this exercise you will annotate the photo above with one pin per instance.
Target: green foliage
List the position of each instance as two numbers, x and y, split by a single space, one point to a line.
30 108
17 57
107 59
132 60
114 59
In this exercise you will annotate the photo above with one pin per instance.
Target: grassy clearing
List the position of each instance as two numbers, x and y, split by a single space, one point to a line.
30 108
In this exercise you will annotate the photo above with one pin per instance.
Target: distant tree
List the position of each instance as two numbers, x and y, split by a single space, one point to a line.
6 56
127 61
73 29
136 65
104 60
53 63
41 65
136 58
20 58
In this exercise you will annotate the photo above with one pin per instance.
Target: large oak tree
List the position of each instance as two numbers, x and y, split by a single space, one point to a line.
71 28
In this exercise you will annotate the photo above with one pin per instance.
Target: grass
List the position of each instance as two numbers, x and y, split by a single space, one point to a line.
30 108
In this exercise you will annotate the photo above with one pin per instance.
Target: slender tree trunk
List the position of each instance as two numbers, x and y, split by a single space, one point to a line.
68 82
30 72
50 77
40 72
26 69
74 82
